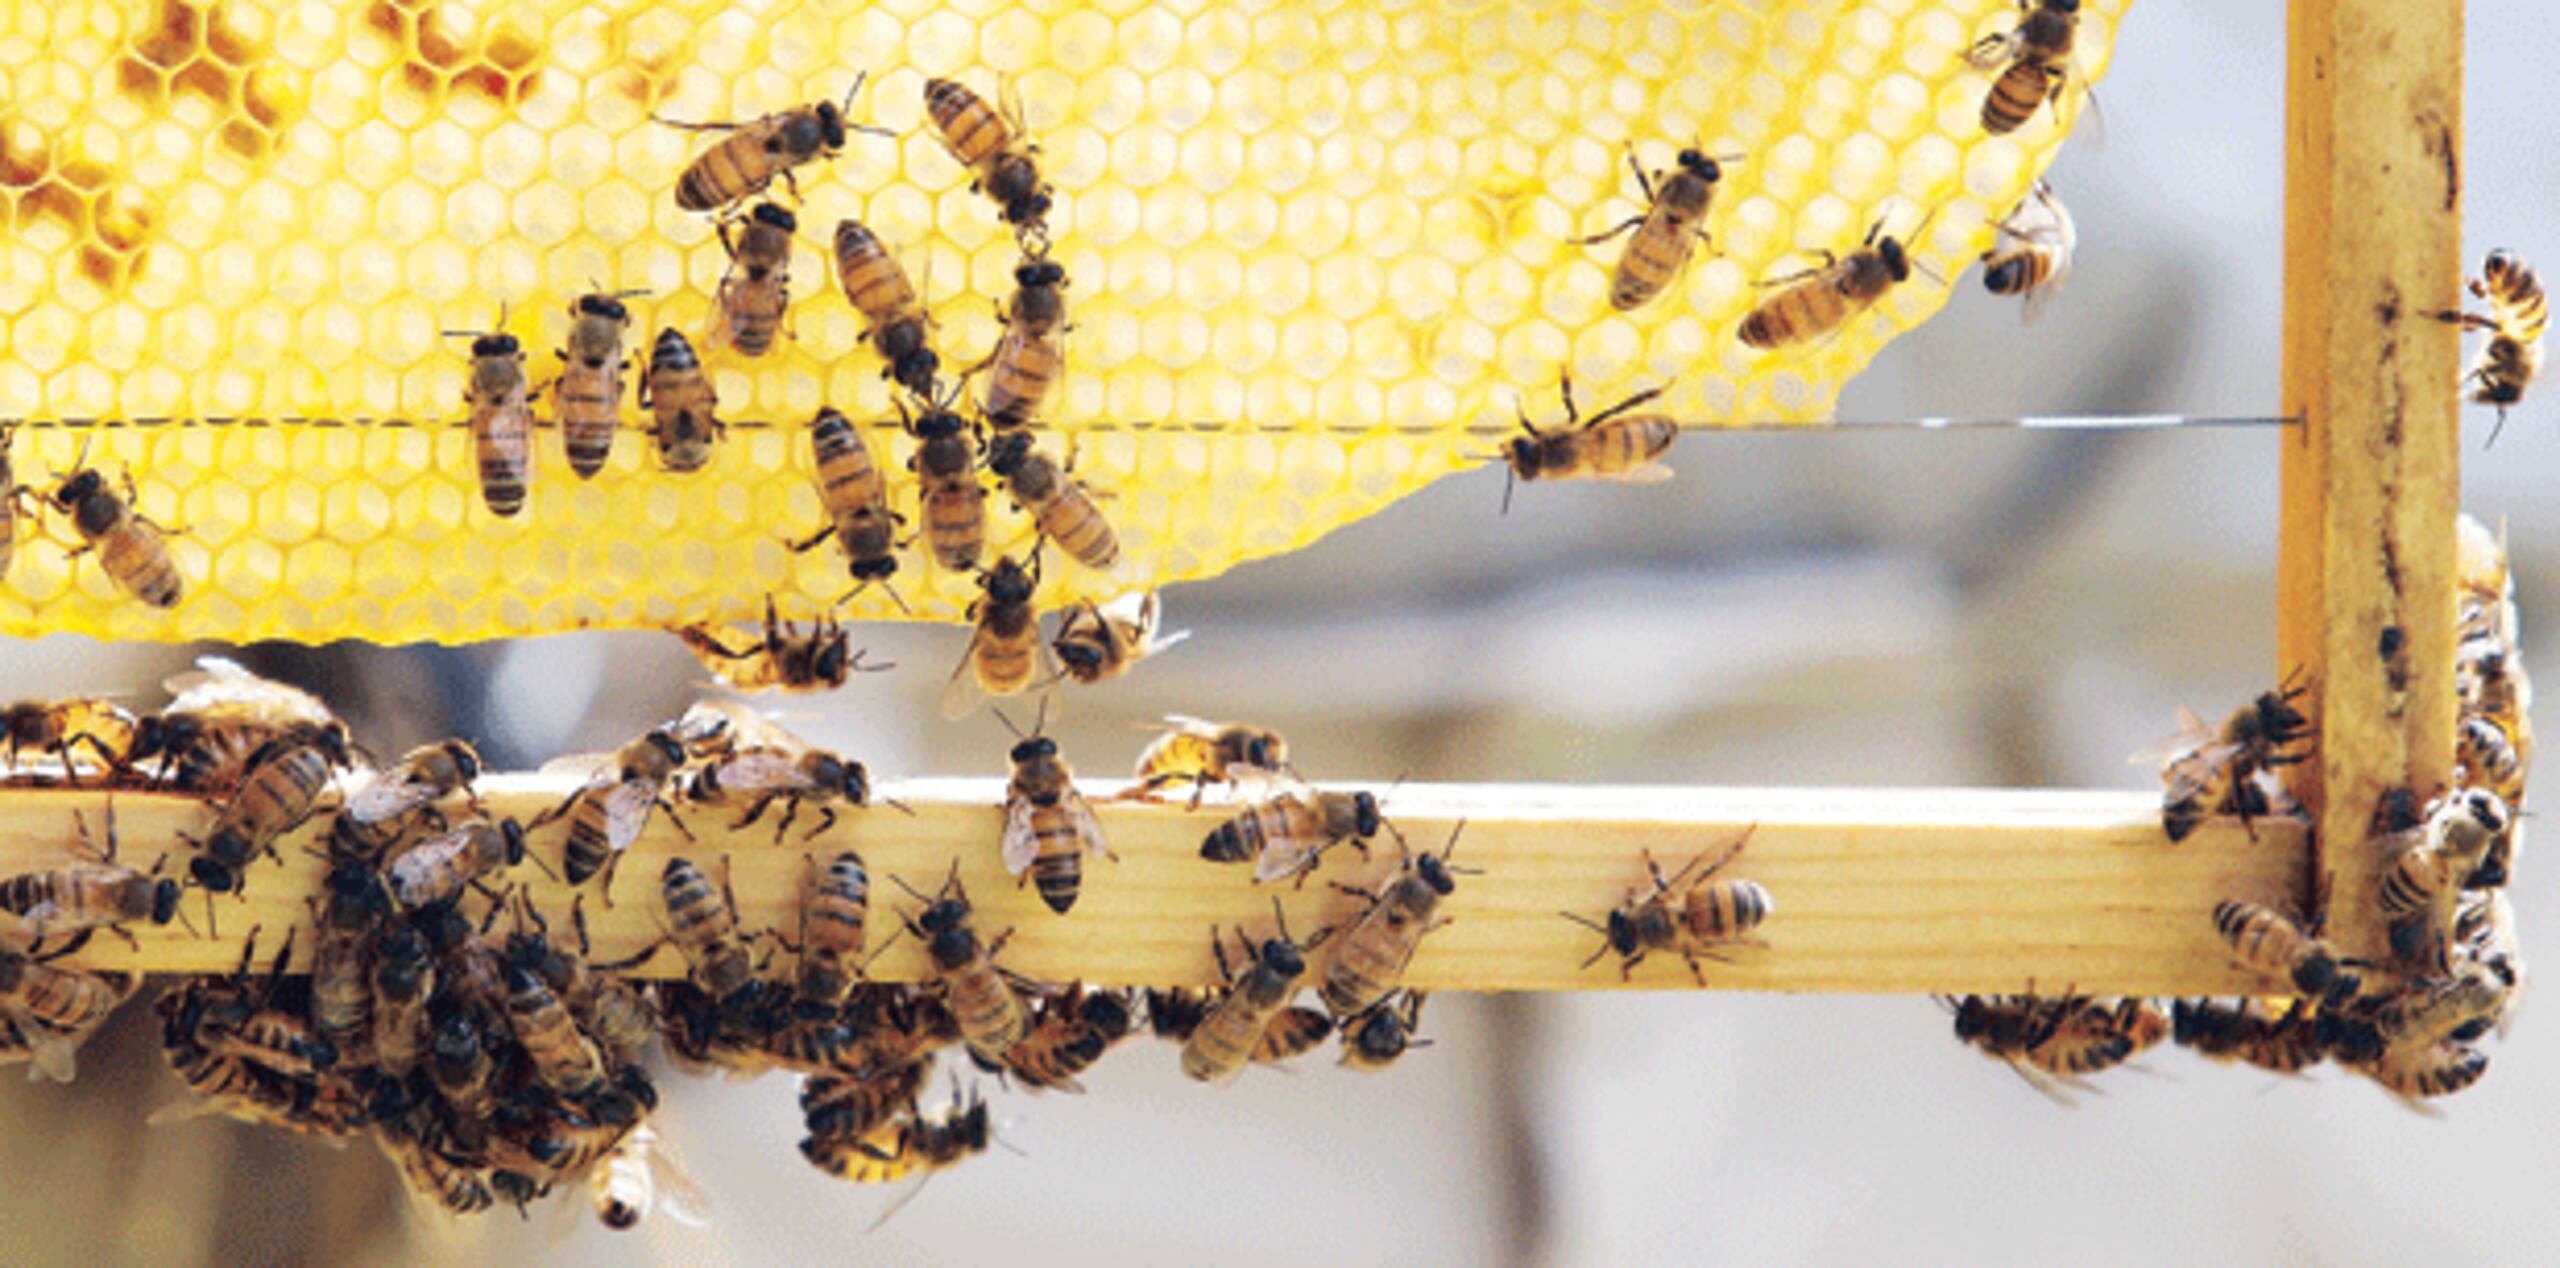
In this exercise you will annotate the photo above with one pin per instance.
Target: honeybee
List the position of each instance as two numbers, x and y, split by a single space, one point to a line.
1288 834
1200 753
788 659
1030 358
744 162
703 923
1004 656
341 997
762 763
54 1008
843 1106
756 290
1622 450
1273 971
993 144
607 814
679 397
1057 502
954 503
561 1058
1675 215
1382 939
133 550
990 1012
222 717
1048 828
608 1007
107 730
378 815
501 418
282 788
1818 301
2518 311
2491 758
2217 771
2038 57
2054 1042
1176 1014
1374 1040
856 499
588 393
2031 255
88 894
898 1026
1099 643
403 978
639 1178
2459 1007
904 1147
2285 1043
437 869
1694 921
1073 1031
2424 1071
436 1173
2267 941
835 909
2422 887
13 497
879 290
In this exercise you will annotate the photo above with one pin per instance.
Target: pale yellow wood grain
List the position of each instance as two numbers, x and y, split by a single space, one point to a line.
1877 890
2372 479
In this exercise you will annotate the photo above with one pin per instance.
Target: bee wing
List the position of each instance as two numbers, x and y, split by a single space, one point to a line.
2090 131
1994 52
760 770
56 1056
1284 857
2042 297
218 682
387 796
1088 828
2192 734
963 695
626 811
593 768
1021 845
732 725
721 334
679 1197
1182 723
1649 473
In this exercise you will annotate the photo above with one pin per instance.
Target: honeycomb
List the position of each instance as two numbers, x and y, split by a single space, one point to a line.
1314 248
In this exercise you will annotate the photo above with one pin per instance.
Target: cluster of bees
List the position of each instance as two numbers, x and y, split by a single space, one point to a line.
502 1064
2455 972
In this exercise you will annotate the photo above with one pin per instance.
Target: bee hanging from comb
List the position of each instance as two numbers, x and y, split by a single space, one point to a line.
2518 312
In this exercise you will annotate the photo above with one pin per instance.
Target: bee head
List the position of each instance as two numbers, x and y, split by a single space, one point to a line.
2491 874
1046 273
1107 1014
803 134
513 834
1973 1018
2186 1022
1524 457
938 423
441 926
2347 1039
2319 976
1008 452
880 569
944 916
1281 956
1082 660
634 1083
1267 752
831 120
495 345
82 486
775 215
600 304
164 900
2277 719
466 759
2397 811
1364 812
212 873
514 1187
2503 392
1036 748
1622 932
1008 583
2063 6
973 1125
1026 209
831 657
1896 261
2486 809
915 369
1701 166
1434 872
665 743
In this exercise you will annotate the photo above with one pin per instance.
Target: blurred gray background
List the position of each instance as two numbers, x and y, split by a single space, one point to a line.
1965 608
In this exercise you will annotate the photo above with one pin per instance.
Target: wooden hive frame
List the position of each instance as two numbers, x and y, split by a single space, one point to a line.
1877 890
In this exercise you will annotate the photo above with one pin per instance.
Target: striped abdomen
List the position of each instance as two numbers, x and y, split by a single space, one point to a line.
1026 366
849 482
134 553
832 929
1070 518
1809 309
1227 1038
1057 869
2016 95
971 127
991 1017
1661 245
955 520
872 279
742 163
502 440
683 404
589 399
1727 909
277 796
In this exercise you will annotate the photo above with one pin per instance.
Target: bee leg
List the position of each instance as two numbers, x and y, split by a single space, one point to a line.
826 820
1603 236
1695 971
554 812
790 812
798 548
2468 321
755 811
671 818
118 930
646 954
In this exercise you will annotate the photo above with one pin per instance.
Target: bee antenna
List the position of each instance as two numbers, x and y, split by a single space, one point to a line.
1008 723
1452 845
1586 922
1510 478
